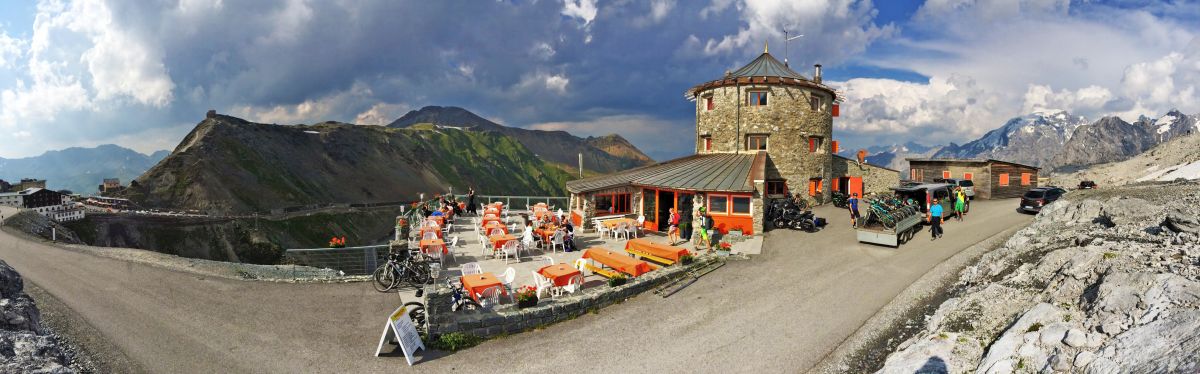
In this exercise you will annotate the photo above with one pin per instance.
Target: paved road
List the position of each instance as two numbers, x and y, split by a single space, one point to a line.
780 312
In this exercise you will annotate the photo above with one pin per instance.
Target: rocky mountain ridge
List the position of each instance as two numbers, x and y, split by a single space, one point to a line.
602 155
1177 158
895 156
80 169
1031 139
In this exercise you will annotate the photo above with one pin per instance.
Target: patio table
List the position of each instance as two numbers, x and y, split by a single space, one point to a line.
560 274
495 225
436 230
619 261
656 249
546 233
475 284
499 240
436 243
613 223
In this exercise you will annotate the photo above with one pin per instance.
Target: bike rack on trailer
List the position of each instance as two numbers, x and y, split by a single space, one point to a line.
690 277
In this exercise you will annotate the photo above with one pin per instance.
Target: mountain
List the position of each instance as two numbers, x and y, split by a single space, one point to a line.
1108 140
602 155
894 156
1176 158
80 170
230 165
1172 125
1033 139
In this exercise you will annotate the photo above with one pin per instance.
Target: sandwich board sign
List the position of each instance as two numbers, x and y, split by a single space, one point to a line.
400 328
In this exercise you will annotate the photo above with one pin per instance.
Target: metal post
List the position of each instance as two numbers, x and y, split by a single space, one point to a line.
580 164
53 233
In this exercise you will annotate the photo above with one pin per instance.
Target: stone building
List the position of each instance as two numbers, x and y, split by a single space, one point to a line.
763 131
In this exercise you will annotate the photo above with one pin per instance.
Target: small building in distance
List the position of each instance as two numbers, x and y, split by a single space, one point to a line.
49 203
27 183
111 185
5 186
993 179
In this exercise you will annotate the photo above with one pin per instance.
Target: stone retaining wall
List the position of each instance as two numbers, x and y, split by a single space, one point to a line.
507 319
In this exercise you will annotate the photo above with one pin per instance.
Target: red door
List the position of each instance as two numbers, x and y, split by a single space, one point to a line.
854 186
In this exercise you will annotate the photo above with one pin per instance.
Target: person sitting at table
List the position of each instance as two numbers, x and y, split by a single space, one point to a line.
569 237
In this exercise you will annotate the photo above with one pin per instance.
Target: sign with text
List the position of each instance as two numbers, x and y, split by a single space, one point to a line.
400 328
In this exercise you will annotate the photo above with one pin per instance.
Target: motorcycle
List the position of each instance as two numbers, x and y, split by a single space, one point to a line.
787 213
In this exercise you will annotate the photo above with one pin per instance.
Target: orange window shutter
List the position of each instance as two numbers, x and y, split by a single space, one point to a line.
968 176
812 145
946 174
835 146
1024 179
1003 179
836 109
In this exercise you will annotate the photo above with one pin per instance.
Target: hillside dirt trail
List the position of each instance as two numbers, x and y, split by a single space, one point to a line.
782 311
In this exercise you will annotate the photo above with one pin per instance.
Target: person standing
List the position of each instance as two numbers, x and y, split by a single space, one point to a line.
960 203
935 220
705 229
471 208
852 205
569 238
673 230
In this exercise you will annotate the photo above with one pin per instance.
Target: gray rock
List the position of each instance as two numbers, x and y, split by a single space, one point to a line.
1075 338
1084 358
1178 221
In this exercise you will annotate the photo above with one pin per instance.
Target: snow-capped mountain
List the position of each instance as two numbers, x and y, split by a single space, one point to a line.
1172 125
893 156
1032 139
1110 139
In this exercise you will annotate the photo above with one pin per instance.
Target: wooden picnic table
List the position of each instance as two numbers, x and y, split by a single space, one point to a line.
656 249
619 261
475 284
560 274
433 243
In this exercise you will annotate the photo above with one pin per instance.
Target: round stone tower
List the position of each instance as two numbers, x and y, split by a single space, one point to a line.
767 106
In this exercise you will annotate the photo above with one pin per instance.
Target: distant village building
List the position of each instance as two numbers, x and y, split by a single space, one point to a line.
993 179
49 203
111 185
27 183
763 131
109 202
5 186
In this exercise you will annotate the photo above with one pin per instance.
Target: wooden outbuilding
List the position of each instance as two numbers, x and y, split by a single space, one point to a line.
993 179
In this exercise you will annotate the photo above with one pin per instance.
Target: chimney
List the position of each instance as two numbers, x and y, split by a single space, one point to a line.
817 73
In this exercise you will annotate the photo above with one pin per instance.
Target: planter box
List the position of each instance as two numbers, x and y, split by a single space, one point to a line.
522 304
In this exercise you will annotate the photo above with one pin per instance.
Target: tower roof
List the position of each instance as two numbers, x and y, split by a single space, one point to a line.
766 66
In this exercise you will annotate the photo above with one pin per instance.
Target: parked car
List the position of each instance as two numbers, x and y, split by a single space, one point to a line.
1034 199
909 183
1087 185
967 185
925 193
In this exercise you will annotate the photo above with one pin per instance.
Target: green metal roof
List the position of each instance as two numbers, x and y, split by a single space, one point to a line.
718 172
766 66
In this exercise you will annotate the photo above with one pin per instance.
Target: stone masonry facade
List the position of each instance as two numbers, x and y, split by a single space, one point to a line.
875 179
788 120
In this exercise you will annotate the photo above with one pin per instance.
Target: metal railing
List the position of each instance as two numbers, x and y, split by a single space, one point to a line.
521 202
349 260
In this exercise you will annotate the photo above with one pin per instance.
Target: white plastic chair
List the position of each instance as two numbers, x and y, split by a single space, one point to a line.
508 277
471 268
542 284
486 244
621 230
447 229
511 249
451 246
601 228
574 285
429 235
433 252
640 230
496 232
558 240
545 260
581 264
490 297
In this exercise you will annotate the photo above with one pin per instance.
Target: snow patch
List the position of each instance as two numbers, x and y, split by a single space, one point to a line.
1185 171
1164 123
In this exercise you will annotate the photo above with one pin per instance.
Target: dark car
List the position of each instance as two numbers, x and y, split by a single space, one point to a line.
1034 199
1087 185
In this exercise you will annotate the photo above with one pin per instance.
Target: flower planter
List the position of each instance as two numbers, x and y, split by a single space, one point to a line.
527 303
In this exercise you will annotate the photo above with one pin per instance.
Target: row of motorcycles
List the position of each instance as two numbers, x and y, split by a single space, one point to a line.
793 213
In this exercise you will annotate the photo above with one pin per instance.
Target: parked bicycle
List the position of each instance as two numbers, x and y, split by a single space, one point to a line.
399 269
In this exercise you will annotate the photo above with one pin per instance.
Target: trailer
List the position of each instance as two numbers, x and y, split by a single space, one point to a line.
894 237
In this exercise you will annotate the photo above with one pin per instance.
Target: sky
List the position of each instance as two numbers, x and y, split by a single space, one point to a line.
141 74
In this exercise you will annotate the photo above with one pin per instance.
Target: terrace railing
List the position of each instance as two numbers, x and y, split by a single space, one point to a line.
349 260
521 202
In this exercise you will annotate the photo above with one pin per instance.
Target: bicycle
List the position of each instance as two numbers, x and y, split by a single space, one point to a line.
413 269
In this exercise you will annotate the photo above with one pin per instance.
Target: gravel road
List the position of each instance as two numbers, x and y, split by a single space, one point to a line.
782 311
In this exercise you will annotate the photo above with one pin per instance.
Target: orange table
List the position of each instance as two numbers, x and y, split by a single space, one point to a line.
492 211
560 274
485 220
436 243
499 240
494 225
546 233
436 230
441 220
659 250
613 223
477 283
619 261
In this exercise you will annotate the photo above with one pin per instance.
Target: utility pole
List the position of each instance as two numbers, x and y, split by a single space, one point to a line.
786 39
580 165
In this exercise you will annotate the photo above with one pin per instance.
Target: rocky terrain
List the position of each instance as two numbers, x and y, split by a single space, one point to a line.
1177 158
1031 139
602 155
25 345
1107 140
230 165
1104 281
32 223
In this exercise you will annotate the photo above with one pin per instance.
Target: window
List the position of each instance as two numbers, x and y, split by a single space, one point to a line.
814 144
815 103
814 187
968 176
618 203
756 142
708 103
649 204
945 174
757 98
707 141
777 187
1003 179
718 204
741 204
914 174
1025 179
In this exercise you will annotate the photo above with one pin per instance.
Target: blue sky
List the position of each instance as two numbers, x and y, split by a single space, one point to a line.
142 73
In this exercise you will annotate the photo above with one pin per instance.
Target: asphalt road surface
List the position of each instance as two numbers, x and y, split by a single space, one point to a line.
782 311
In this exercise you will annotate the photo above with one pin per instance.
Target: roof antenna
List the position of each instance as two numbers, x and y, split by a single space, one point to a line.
786 39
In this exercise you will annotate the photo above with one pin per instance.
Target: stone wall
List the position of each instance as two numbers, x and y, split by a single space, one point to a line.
788 120
875 179
507 319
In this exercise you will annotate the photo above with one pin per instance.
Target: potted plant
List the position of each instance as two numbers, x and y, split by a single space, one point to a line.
723 248
617 280
686 259
526 297
336 242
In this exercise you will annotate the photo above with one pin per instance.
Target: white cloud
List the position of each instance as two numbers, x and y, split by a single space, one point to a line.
381 114
542 51
289 22
1089 99
311 110
943 109
584 10
542 80
834 29
10 50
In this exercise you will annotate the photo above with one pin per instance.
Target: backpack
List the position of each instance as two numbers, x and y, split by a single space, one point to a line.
708 222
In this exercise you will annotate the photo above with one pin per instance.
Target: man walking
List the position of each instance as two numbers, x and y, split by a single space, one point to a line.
852 205
705 226
471 208
935 220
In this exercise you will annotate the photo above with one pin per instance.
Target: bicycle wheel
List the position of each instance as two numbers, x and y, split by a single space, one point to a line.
888 222
469 306
416 312
384 279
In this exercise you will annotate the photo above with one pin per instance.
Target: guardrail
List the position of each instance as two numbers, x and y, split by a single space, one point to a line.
349 260
521 202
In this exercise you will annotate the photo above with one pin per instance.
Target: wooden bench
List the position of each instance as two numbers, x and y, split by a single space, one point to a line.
602 272
647 256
